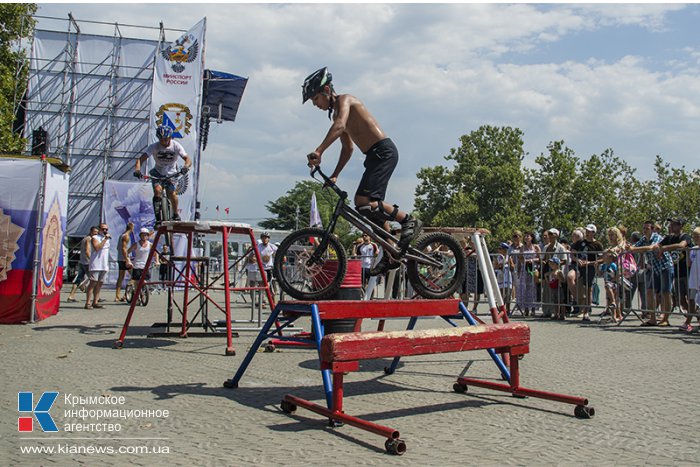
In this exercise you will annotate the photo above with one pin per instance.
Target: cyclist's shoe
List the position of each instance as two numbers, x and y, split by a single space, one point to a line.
410 229
385 264
176 217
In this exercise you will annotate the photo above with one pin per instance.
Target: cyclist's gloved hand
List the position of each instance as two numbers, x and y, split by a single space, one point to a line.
184 170
138 174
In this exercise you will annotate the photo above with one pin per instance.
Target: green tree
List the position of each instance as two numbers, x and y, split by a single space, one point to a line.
549 190
16 23
297 202
483 188
674 193
606 189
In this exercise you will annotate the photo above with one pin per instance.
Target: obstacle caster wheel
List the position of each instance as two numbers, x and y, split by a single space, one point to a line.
388 371
270 348
229 384
584 411
397 447
460 388
118 345
288 407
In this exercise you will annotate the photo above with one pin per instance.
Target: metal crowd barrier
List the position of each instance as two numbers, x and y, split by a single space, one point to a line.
631 292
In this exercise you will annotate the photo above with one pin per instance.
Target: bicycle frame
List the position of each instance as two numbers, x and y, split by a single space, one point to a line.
375 232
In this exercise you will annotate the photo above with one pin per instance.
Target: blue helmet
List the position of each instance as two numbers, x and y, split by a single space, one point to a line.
163 132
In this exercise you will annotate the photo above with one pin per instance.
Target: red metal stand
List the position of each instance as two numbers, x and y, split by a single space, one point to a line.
341 353
183 279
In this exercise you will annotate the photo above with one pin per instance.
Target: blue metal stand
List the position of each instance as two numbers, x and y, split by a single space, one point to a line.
311 309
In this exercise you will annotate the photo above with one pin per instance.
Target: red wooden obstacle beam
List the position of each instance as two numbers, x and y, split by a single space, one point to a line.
342 352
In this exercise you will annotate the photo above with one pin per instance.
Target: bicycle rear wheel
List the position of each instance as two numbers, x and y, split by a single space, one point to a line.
303 272
438 281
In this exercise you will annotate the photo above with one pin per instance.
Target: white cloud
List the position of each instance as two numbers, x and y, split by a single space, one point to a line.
430 73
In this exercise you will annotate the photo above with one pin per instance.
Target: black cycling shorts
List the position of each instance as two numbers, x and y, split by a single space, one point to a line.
137 273
380 163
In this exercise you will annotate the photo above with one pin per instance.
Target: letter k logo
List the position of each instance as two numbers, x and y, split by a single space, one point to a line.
25 403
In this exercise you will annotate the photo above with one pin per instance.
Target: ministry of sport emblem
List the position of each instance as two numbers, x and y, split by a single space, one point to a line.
176 116
183 50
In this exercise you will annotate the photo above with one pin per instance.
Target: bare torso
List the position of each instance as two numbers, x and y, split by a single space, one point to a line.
361 126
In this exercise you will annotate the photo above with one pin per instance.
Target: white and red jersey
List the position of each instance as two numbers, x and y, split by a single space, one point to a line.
166 156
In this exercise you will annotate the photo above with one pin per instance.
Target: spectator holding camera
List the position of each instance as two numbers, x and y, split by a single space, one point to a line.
99 266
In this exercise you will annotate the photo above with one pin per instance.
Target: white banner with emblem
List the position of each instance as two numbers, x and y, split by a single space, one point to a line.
176 102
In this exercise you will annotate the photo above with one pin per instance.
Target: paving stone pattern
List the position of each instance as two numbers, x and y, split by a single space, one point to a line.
643 383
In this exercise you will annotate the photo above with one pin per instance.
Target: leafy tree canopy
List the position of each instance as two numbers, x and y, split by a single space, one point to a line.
16 23
483 184
292 210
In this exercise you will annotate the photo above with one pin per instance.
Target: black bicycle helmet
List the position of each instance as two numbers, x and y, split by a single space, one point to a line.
314 83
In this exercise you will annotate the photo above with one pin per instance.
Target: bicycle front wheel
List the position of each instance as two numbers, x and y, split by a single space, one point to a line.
145 295
129 292
306 273
438 281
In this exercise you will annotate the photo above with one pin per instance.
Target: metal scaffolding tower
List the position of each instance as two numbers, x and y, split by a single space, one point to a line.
91 92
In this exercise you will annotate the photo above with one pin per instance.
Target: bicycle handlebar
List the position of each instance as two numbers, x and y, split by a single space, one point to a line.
316 169
327 181
162 179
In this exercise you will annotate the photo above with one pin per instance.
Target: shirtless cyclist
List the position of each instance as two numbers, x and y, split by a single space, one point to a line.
353 124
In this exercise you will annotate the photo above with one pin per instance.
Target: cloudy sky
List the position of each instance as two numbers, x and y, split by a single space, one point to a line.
623 76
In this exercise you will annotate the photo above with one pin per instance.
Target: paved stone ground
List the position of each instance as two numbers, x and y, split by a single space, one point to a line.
642 382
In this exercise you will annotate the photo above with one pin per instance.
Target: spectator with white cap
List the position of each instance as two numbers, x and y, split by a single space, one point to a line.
267 251
551 249
141 249
588 250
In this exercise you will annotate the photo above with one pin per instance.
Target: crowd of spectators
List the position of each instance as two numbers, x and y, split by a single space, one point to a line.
555 278
560 276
